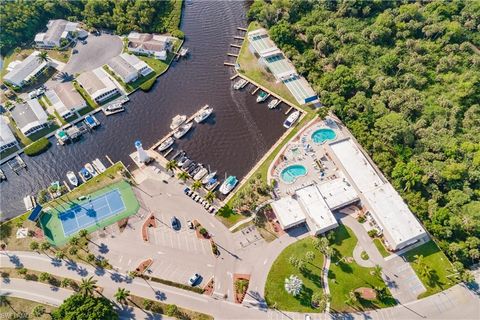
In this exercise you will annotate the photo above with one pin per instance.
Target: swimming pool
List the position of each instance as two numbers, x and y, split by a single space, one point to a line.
322 135
291 173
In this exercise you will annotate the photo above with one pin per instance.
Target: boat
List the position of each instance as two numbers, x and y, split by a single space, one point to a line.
228 185
200 174
262 96
183 52
177 121
191 167
186 164
91 121
179 154
182 130
182 161
90 169
72 178
203 114
240 84
113 108
291 119
209 177
85 174
211 184
196 170
272 104
61 136
98 165
29 202
165 144
2 175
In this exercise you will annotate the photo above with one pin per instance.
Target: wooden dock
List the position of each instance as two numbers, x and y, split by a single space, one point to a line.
232 55
242 29
109 160
235 45
66 185
168 152
230 64
238 38
255 91
234 76
289 109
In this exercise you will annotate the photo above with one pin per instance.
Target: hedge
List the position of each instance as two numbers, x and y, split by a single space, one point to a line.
37 147
147 85
173 284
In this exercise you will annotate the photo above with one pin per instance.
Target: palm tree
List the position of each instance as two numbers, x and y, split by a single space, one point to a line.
293 285
64 76
196 185
43 57
182 175
73 241
352 298
60 255
38 311
210 196
82 233
88 286
122 295
171 165
377 271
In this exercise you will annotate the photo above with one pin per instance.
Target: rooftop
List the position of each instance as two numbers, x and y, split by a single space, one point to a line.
338 192
148 41
96 82
29 114
64 97
261 41
24 70
122 67
300 89
288 212
6 134
316 208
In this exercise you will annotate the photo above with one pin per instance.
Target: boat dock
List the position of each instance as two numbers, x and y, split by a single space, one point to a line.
235 45
255 91
17 164
242 29
232 54
276 104
238 37
229 64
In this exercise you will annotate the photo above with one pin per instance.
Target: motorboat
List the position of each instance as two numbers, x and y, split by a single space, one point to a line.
98 165
113 108
29 202
193 165
228 185
262 96
186 164
72 178
211 184
177 121
91 121
178 155
61 136
209 177
2 175
85 174
272 104
197 170
200 174
90 169
203 114
182 161
240 84
182 130
165 144
291 119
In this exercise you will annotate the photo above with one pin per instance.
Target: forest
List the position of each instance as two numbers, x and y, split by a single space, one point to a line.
21 20
404 77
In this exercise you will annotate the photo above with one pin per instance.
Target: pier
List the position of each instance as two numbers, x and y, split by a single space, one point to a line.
238 38
235 45
255 91
230 64
242 29
232 55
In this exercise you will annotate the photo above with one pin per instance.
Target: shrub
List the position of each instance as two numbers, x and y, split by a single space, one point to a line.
171 310
372 233
147 85
203 232
215 248
147 304
361 219
37 147
178 34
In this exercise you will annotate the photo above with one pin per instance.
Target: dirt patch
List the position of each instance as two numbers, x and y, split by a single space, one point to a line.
151 222
367 293
208 289
240 284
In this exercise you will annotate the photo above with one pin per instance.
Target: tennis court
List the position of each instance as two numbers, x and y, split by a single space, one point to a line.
82 216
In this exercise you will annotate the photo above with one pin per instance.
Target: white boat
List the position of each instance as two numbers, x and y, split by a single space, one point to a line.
72 178
209 177
291 119
2 175
183 52
182 130
228 185
262 96
177 121
200 174
203 114
91 121
272 104
165 144
113 108
98 165
90 169
29 202
240 84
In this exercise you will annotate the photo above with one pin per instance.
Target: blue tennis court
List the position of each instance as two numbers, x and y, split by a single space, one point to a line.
91 212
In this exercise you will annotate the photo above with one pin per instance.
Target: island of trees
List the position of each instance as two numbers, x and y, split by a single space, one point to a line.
405 78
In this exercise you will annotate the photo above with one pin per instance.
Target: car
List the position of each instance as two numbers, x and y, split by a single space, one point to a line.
40 91
175 223
193 279
32 94
190 225
84 41
74 51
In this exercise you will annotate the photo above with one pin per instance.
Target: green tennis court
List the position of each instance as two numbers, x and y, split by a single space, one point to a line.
103 208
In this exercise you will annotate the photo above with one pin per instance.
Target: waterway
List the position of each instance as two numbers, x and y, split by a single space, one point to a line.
231 141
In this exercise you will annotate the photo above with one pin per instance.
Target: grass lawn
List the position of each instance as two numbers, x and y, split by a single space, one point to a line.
344 277
228 216
17 308
26 140
12 56
438 262
275 292
381 248
92 104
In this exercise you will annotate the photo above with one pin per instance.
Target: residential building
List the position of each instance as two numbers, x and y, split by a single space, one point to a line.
150 44
58 30
129 67
274 61
29 117
7 139
65 99
24 71
98 85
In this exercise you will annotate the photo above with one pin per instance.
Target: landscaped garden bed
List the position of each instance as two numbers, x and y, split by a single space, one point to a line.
142 267
240 283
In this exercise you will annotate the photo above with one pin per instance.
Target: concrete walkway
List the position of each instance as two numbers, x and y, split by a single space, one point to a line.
326 267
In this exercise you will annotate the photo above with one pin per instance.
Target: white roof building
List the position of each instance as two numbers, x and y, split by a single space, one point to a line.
400 226
288 212
65 99
7 139
98 84
129 67
29 116
338 193
57 30
25 70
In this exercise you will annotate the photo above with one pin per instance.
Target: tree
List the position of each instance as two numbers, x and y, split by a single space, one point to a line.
171 310
87 286
309 256
45 276
45 246
210 196
43 57
73 250
34 245
293 285
38 311
59 255
171 165
377 271
182 175
65 282
122 295
22 271
352 298
83 233
79 306
73 241
90 257
196 185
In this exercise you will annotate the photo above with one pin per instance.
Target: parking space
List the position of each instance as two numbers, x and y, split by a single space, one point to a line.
247 237
402 280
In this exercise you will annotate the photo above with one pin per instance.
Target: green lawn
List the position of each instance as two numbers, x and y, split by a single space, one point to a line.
381 248
92 104
345 276
438 262
17 308
274 289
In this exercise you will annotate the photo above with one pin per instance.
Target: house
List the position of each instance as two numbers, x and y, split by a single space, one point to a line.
30 117
22 72
129 67
7 139
58 30
150 44
98 85
65 99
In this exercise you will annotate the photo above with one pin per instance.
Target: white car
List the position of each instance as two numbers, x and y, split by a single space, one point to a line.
32 94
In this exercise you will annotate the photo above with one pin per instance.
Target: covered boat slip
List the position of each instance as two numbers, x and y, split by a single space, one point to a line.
301 90
260 40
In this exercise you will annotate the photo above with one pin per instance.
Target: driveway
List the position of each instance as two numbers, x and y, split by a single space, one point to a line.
98 51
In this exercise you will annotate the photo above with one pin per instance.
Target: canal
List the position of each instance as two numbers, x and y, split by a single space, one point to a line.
231 141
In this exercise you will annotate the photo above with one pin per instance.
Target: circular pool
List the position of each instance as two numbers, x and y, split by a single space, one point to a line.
291 173
322 135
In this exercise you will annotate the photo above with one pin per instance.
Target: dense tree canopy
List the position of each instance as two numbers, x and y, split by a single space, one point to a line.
85 307
405 78
21 20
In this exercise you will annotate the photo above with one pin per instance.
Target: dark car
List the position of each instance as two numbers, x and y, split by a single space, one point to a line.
175 223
